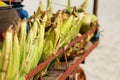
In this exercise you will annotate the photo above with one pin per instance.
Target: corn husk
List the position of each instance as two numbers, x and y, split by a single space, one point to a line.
14 63
22 40
6 53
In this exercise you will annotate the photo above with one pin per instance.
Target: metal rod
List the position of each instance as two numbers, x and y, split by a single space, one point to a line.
95 7
78 61
66 62
40 75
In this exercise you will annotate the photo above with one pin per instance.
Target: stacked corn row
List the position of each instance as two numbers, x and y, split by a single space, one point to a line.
22 50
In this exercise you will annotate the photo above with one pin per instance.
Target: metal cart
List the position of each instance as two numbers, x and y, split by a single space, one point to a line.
70 68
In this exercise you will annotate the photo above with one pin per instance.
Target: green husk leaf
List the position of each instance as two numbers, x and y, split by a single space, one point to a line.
88 21
69 8
6 52
39 44
51 39
49 7
22 40
75 29
65 29
40 8
14 63
84 6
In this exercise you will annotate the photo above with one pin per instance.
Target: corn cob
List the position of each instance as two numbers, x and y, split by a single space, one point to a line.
6 52
76 26
65 28
66 25
14 62
22 40
29 49
64 36
51 39
88 21
39 45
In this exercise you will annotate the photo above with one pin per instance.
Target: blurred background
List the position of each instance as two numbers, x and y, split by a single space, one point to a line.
104 62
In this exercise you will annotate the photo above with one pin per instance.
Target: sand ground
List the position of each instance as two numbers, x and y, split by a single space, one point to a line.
104 62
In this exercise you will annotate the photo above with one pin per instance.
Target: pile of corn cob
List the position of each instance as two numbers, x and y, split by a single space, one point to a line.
46 32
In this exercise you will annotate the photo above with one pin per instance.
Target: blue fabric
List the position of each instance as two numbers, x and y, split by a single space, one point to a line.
23 13
96 36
